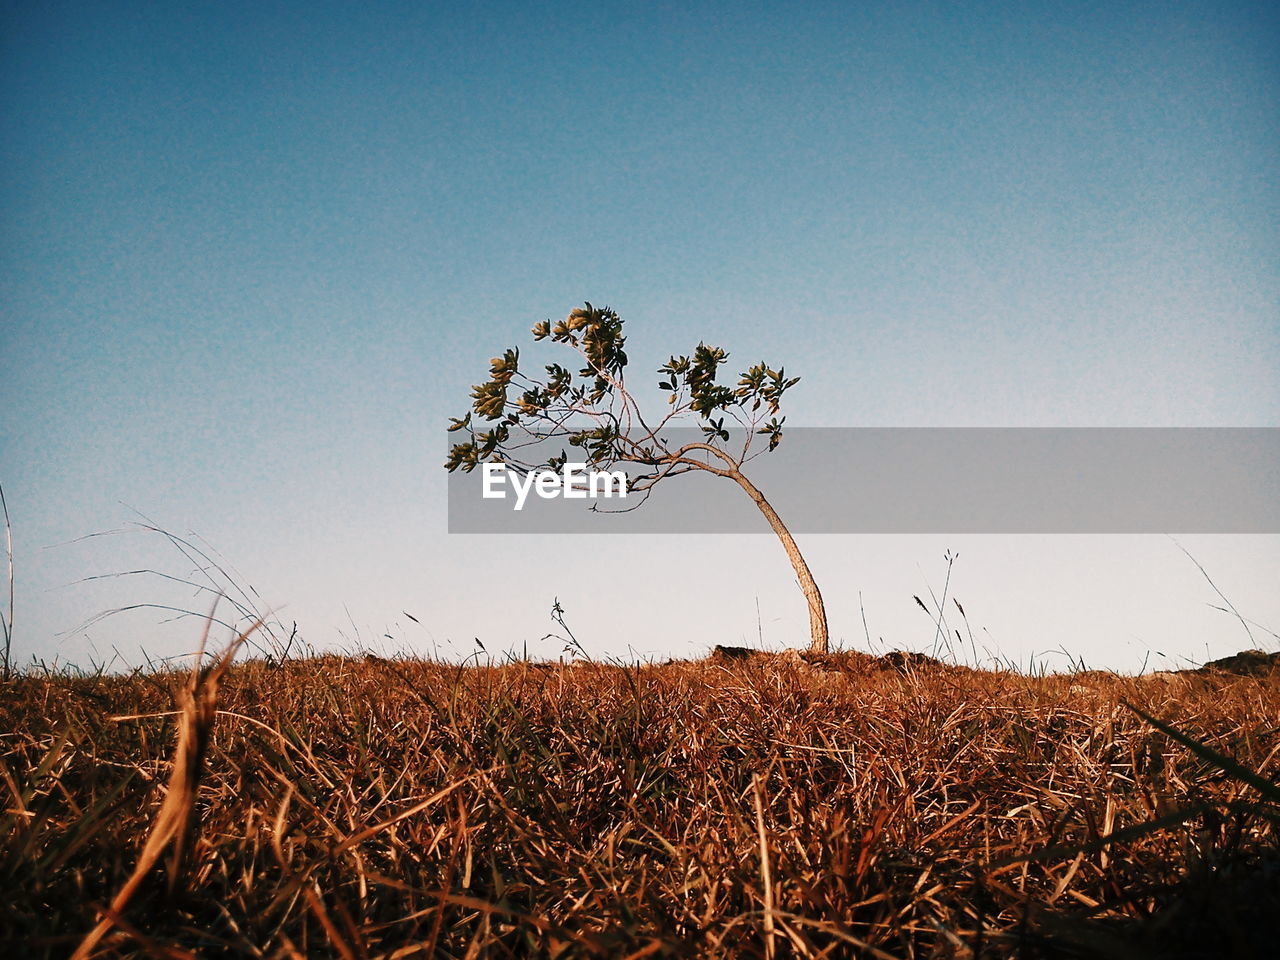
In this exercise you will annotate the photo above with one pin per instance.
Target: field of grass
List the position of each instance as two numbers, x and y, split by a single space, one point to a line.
770 807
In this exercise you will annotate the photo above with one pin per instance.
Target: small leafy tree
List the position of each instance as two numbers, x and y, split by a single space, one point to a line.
594 412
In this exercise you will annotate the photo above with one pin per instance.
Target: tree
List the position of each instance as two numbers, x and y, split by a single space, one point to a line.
595 413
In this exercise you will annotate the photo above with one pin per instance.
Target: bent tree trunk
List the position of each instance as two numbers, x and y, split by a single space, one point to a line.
817 612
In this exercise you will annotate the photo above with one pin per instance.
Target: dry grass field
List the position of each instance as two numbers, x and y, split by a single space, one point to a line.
766 807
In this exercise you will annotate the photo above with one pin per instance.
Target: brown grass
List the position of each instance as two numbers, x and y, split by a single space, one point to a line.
766 807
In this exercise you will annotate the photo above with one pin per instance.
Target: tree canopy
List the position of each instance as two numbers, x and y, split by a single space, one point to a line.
519 416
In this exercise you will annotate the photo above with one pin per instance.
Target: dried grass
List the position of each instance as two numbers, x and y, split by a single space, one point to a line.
820 807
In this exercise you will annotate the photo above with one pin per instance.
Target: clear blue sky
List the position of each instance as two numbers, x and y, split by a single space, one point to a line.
254 254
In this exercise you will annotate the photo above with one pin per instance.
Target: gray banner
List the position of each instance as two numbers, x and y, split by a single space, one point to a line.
929 480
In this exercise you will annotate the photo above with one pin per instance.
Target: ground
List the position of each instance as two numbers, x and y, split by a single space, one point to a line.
766 806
